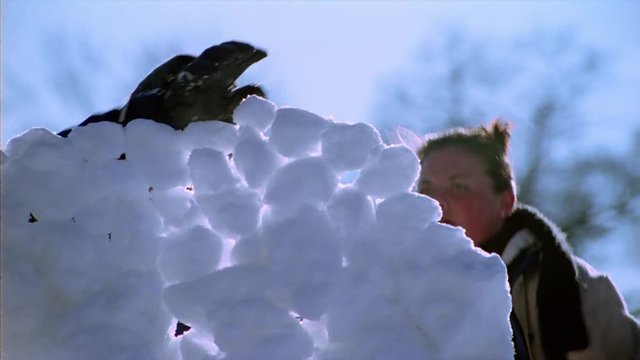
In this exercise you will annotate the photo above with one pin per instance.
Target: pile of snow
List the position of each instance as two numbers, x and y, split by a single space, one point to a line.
288 236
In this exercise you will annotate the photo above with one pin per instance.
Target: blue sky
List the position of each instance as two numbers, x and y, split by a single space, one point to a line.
328 57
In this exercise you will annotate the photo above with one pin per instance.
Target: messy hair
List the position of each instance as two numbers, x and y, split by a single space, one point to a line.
490 143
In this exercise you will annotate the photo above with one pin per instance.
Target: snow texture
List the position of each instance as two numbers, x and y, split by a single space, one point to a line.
245 233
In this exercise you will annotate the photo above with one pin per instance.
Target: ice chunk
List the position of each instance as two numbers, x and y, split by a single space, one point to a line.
254 158
296 133
395 170
256 112
349 147
210 171
307 180
189 254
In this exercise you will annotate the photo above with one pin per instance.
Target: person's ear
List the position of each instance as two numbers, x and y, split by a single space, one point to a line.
507 201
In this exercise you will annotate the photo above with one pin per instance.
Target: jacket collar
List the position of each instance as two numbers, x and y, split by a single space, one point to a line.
558 295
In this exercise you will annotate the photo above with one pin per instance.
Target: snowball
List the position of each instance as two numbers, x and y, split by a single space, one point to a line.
42 150
249 249
457 269
156 153
198 302
120 217
394 171
254 158
112 235
128 315
304 260
216 135
351 211
27 307
98 141
210 171
71 253
189 254
416 295
407 212
279 335
42 193
233 213
195 346
296 133
176 206
256 112
349 147
307 180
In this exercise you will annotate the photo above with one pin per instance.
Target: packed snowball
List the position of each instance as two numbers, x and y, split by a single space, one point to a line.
286 236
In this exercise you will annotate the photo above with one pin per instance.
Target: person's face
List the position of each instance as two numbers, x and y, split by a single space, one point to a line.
458 180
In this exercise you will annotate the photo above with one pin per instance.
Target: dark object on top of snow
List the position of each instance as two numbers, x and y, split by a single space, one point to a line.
185 89
161 77
205 89
181 328
32 218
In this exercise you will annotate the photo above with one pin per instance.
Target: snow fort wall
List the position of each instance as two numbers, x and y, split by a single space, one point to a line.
252 234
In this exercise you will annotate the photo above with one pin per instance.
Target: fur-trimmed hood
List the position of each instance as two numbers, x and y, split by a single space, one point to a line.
559 306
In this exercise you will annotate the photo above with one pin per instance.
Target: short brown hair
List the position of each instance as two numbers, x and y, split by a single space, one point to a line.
489 142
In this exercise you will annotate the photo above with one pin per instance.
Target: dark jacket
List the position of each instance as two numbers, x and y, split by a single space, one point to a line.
565 308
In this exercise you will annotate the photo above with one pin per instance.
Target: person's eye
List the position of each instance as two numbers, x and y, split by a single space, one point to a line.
459 188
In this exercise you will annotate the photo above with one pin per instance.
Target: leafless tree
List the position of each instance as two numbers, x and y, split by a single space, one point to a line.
538 82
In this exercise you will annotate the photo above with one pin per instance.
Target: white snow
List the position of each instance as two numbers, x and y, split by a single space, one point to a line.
349 147
189 254
256 112
210 171
254 158
304 181
245 233
296 132
216 135
394 170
